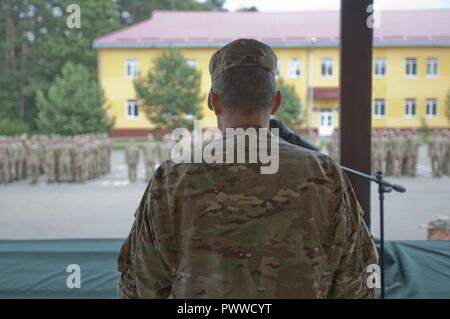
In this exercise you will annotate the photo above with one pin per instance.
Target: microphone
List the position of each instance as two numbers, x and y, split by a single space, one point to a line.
290 136
399 188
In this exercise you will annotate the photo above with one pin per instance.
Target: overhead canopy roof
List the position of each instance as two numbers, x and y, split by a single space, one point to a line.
326 93
294 29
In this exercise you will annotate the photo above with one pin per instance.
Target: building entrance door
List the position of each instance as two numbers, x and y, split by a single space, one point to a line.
326 122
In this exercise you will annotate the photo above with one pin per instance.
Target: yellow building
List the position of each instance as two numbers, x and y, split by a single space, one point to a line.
411 62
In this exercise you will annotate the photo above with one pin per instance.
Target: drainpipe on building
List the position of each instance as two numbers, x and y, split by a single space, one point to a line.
310 88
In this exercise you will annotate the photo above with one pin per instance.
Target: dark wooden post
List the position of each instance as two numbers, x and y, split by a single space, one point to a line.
356 36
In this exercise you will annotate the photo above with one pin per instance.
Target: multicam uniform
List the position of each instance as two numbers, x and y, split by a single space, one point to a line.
132 160
226 231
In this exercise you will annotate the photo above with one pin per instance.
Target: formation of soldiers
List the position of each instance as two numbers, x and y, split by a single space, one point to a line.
395 151
439 152
153 154
61 159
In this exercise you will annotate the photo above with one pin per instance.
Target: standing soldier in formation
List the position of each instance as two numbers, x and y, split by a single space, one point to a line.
397 152
50 163
332 147
390 148
64 163
164 148
34 161
445 152
132 160
4 163
377 153
412 152
438 151
21 155
79 174
434 152
150 155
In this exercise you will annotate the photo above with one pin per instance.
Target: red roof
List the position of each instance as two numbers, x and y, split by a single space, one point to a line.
213 29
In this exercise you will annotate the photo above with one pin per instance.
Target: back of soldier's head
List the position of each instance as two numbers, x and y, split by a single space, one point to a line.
246 90
243 76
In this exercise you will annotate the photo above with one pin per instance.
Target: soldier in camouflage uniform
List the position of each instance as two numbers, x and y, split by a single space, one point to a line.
332 147
397 153
64 163
150 155
390 150
434 151
164 148
132 160
34 162
377 152
444 142
79 165
50 163
4 163
226 231
412 153
439 228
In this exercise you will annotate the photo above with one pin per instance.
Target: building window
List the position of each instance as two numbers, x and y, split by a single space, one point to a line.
411 67
293 68
380 67
410 108
327 67
131 69
432 108
192 63
132 110
432 67
278 71
379 108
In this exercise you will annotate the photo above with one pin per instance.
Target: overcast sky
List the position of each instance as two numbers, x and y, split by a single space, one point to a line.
312 5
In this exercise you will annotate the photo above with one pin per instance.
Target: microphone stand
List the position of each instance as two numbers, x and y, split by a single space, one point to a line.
383 187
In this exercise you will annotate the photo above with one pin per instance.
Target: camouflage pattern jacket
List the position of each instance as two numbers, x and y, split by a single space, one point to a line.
226 231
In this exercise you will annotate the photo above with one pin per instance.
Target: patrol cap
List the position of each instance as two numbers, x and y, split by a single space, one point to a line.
440 223
242 53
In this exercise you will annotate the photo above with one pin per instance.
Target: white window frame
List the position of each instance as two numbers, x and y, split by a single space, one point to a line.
131 63
329 64
377 105
278 70
407 67
192 63
436 63
294 68
427 106
408 107
127 109
376 64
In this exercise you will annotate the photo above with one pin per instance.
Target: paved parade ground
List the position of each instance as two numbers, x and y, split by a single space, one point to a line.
104 208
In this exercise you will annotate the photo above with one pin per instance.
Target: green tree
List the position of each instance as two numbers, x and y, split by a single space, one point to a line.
35 43
170 94
290 109
74 104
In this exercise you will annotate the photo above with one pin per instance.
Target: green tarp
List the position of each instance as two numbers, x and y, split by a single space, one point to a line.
37 269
